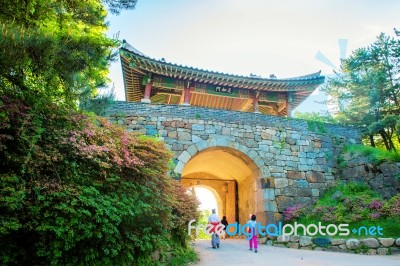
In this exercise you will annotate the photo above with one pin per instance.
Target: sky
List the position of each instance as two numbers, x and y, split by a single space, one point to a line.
261 37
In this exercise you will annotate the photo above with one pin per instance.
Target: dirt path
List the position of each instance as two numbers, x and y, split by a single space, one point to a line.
236 252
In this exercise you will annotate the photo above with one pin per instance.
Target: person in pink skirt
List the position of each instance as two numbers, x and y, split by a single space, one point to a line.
253 233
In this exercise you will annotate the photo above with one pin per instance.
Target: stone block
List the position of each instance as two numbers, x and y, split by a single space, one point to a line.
290 141
211 142
389 168
192 150
151 130
315 192
284 202
197 127
270 206
266 183
334 248
293 245
304 167
252 153
222 142
269 194
201 145
304 192
196 139
301 183
265 135
226 131
184 157
312 155
305 241
179 167
289 191
249 135
370 242
321 241
281 182
372 252
352 244
177 147
386 242
283 239
382 251
337 242
293 174
163 133
394 250
263 148
315 177
294 238
172 134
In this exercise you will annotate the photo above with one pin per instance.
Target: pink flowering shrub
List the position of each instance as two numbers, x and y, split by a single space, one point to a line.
293 212
392 207
356 203
75 189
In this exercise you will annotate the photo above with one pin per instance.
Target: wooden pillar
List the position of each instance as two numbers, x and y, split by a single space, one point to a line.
255 104
186 95
147 92
230 198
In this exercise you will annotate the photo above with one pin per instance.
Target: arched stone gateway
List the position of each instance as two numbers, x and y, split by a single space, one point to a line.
255 163
233 174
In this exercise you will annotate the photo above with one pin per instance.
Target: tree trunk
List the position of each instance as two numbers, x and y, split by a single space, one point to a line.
371 140
390 140
383 135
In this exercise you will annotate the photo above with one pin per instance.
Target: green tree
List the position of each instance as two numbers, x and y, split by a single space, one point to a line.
75 189
367 91
55 49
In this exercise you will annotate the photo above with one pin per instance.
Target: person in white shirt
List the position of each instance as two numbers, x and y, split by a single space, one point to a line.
213 219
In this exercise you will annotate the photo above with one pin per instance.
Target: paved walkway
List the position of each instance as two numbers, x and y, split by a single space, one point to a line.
236 252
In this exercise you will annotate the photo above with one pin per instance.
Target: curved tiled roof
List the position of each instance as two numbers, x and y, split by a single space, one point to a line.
136 63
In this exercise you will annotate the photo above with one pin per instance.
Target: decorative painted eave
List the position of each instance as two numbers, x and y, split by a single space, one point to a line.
142 64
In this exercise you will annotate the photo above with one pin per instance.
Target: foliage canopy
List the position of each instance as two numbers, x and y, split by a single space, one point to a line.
74 188
367 91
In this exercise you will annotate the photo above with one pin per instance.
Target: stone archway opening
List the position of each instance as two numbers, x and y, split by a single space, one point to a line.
209 197
232 175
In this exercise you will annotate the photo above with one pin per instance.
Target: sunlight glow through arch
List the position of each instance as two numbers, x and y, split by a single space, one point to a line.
206 198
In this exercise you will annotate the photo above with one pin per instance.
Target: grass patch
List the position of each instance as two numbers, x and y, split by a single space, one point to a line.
374 155
183 257
316 126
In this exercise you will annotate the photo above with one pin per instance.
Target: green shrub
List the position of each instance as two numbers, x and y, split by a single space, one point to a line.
352 203
77 190
203 220
374 155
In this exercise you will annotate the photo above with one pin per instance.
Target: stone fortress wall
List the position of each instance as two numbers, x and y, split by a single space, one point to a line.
296 160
